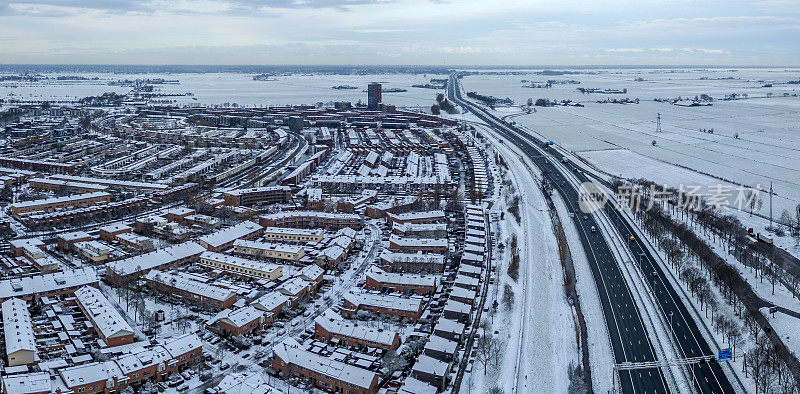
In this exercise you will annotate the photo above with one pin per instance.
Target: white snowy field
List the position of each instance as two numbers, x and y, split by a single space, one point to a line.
239 88
785 326
755 141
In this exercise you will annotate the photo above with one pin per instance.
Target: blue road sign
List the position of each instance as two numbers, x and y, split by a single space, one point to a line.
725 354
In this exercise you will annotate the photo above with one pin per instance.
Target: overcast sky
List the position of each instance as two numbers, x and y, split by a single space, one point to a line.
513 32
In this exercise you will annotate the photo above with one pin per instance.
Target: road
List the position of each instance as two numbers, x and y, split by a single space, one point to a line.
629 339
373 245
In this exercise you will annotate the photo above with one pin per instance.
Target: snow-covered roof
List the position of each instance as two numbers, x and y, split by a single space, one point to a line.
111 182
278 247
461 292
34 382
80 375
20 287
419 258
73 235
414 386
430 365
419 227
438 215
293 287
458 307
474 249
54 200
239 192
240 317
293 231
310 272
312 214
104 316
467 256
383 301
418 242
347 232
440 344
332 252
181 281
240 262
447 325
290 352
270 301
253 383
17 327
382 276
335 324
181 211
468 269
314 194
466 280
230 234
156 258
112 228
183 344
59 182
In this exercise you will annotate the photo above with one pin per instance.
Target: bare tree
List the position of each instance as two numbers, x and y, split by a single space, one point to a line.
488 350
392 362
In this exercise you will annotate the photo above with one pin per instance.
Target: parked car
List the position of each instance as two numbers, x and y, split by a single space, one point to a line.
224 366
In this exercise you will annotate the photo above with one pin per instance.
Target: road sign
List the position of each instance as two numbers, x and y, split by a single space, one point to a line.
725 355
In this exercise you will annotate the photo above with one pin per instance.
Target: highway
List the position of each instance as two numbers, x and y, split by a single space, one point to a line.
630 341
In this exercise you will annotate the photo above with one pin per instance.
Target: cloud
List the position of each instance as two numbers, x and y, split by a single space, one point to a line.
68 7
665 26
461 50
672 50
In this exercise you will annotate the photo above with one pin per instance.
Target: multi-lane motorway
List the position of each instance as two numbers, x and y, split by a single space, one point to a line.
630 341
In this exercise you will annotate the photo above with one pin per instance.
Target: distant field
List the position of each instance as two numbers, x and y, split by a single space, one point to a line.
618 138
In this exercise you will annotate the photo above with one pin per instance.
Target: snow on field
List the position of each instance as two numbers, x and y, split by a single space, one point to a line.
755 140
627 164
240 88
785 326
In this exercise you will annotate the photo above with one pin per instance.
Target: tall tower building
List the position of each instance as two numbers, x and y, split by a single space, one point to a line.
374 96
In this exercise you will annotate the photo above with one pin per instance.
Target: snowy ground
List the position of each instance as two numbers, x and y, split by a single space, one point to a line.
539 329
785 326
755 140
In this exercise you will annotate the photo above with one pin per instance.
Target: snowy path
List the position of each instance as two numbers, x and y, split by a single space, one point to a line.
542 335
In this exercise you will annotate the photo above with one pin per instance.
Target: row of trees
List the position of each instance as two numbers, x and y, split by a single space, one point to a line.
699 267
